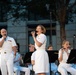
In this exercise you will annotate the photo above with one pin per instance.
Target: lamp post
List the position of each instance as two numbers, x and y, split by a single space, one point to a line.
74 36
51 26
50 14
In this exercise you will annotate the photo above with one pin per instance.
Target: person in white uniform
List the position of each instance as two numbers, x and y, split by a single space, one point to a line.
17 67
33 59
64 67
41 66
7 44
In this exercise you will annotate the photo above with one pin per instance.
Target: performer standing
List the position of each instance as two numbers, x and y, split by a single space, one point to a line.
7 44
41 66
64 67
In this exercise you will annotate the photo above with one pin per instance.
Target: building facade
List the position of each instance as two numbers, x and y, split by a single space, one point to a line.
22 35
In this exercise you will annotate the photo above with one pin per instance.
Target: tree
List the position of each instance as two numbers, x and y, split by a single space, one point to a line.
64 13
61 9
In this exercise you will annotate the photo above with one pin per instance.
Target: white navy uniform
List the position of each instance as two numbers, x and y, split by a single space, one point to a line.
64 67
18 68
6 56
41 56
33 58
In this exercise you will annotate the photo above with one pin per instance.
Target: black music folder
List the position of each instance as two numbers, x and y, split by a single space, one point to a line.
53 56
27 57
72 56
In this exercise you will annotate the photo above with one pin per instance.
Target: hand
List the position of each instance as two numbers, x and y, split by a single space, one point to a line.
20 58
62 50
33 33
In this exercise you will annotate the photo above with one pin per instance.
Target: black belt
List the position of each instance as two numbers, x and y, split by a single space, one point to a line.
3 52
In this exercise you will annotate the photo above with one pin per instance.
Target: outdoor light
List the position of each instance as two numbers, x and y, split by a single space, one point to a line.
74 36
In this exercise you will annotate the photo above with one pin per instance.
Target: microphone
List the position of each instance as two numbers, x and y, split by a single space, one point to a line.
5 36
32 32
36 31
5 39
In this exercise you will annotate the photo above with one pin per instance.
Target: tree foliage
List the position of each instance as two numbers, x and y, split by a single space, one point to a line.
63 10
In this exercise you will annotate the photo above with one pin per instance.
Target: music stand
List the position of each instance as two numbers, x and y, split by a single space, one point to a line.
27 57
53 56
72 56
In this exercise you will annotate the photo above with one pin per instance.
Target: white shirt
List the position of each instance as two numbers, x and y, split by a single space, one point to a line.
33 56
8 44
65 56
42 39
16 58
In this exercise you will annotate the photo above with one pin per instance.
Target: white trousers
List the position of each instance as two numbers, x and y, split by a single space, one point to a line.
52 67
63 68
17 70
6 63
